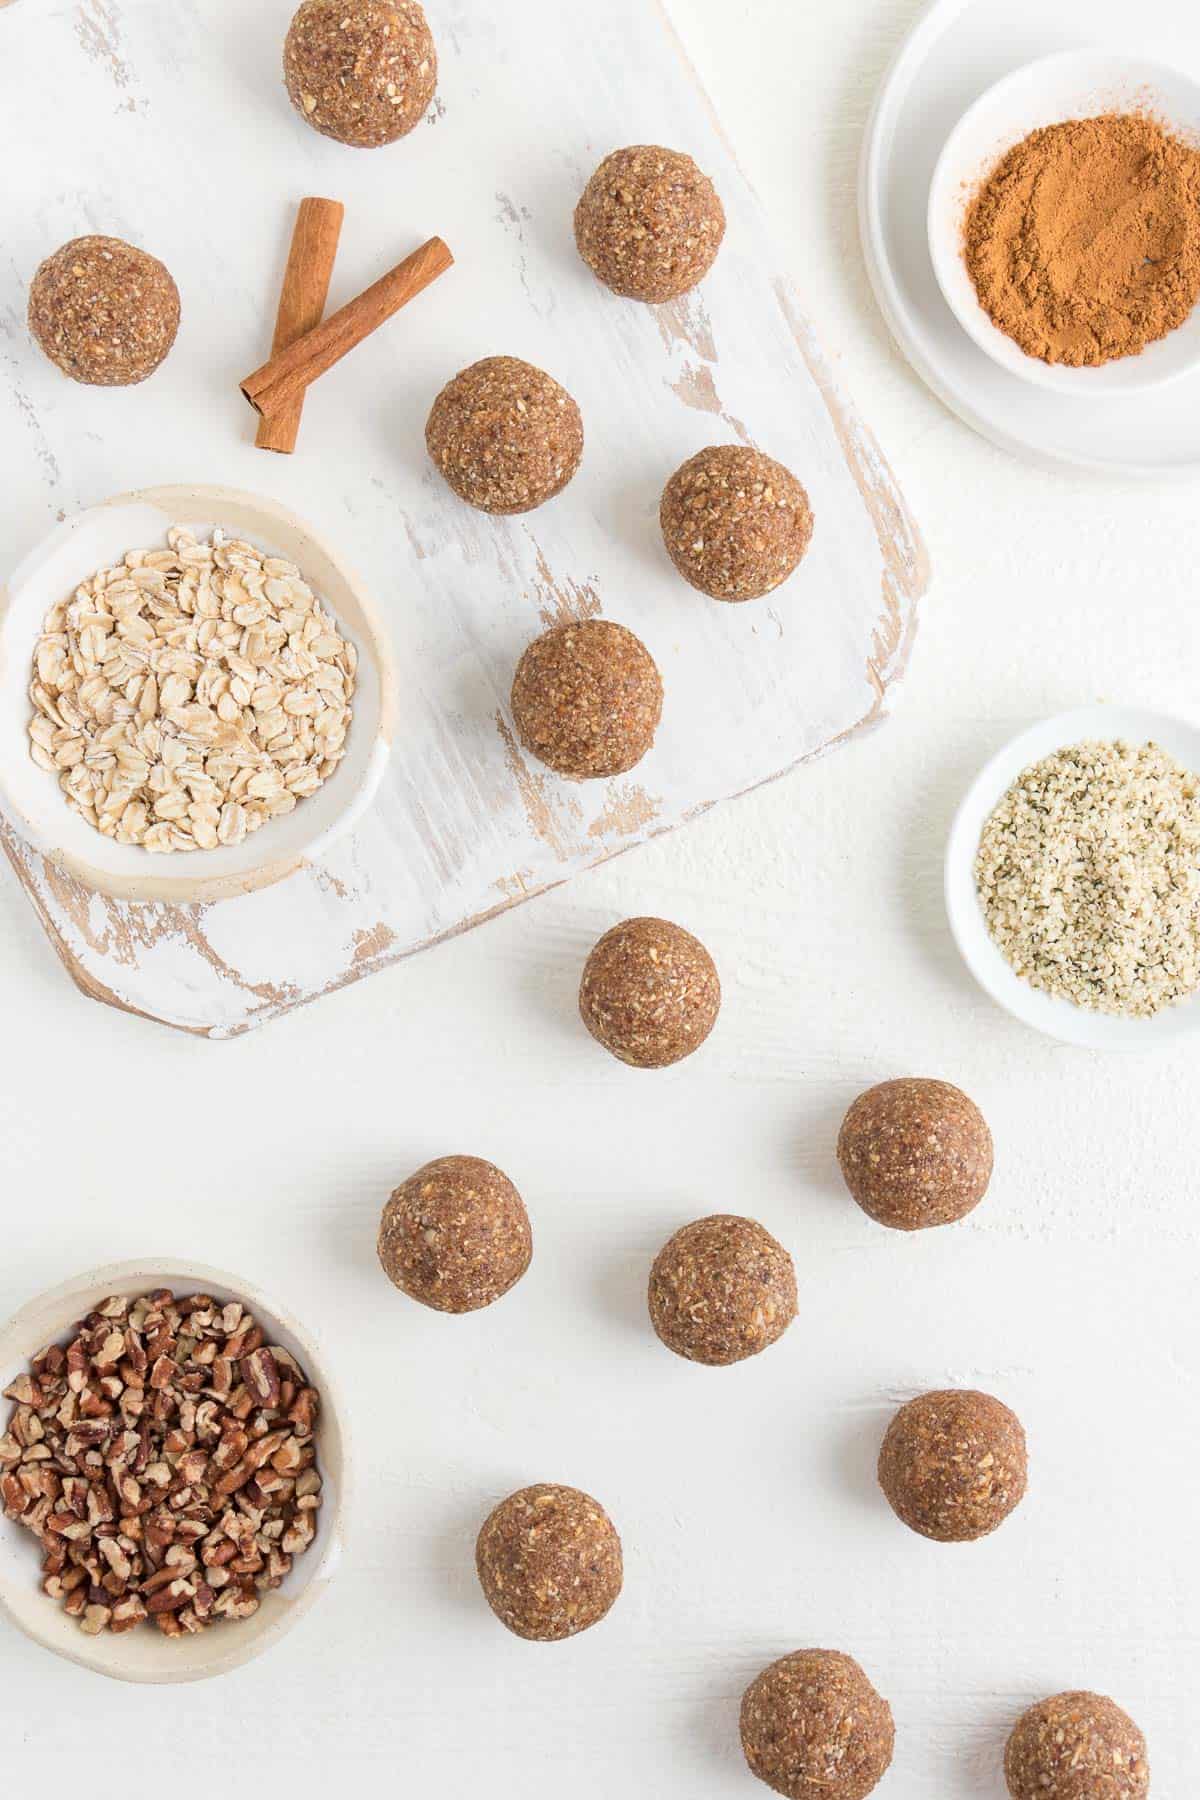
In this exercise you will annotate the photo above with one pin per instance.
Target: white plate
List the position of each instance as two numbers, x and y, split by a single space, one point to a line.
958 49
1071 85
31 796
1057 1018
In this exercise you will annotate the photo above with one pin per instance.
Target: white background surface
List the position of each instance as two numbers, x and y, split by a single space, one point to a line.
745 1497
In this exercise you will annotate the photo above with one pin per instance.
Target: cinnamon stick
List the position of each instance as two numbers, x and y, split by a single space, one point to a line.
302 305
284 379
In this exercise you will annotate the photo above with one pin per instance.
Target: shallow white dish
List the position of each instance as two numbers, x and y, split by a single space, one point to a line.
1074 84
144 1654
32 797
955 51
1057 1018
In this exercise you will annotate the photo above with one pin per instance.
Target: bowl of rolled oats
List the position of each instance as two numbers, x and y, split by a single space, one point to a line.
1072 877
198 697
173 1472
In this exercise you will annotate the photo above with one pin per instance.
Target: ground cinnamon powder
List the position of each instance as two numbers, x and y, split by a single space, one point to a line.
1084 241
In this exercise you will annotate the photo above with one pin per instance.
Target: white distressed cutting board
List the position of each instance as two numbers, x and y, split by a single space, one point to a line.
194 152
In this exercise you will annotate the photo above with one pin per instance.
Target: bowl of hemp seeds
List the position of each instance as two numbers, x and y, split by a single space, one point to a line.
173 1471
196 696
1072 877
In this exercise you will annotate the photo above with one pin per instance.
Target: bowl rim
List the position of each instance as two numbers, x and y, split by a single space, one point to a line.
1054 1017
73 1297
1056 378
157 884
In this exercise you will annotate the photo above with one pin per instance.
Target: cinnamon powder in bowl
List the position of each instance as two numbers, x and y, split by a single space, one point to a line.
1084 241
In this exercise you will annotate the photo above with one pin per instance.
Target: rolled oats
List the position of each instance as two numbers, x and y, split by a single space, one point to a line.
188 695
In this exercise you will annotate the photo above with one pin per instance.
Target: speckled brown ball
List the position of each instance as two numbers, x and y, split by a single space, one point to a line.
360 71
735 522
1076 1747
505 435
915 1153
587 698
455 1235
650 993
721 1289
813 1726
649 223
104 312
953 1465
549 1562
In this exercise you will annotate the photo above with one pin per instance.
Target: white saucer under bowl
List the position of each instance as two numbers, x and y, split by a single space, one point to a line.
1074 84
1057 1018
955 52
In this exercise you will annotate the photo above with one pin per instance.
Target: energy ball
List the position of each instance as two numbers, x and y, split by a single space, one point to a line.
649 223
105 312
455 1235
1076 1747
953 1465
735 522
722 1289
361 71
587 698
915 1153
549 1562
505 435
650 993
812 1724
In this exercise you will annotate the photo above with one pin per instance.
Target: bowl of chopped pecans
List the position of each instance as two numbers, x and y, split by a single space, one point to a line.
173 1472
196 696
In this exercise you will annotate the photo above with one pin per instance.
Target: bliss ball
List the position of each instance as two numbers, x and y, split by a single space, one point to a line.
1076 1747
104 312
455 1235
721 1289
735 523
505 435
812 1725
549 1562
915 1153
361 71
953 1465
649 223
650 993
587 698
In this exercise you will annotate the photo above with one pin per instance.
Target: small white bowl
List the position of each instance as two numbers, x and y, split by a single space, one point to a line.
32 797
144 1654
1075 84
1057 1018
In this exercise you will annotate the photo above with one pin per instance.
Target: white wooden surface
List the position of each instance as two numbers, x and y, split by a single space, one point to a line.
466 824
746 1498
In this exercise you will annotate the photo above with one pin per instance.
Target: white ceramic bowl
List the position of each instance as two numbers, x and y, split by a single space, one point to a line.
1057 1018
1075 84
32 798
144 1654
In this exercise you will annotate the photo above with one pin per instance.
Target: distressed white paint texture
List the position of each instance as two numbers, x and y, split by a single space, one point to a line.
529 101
746 1498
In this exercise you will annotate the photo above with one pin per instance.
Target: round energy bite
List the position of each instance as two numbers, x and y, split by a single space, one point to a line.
953 1465
455 1235
721 1289
1076 1746
812 1724
549 1562
735 522
649 223
915 1153
361 71
105 312
587 698
505 435
650 993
